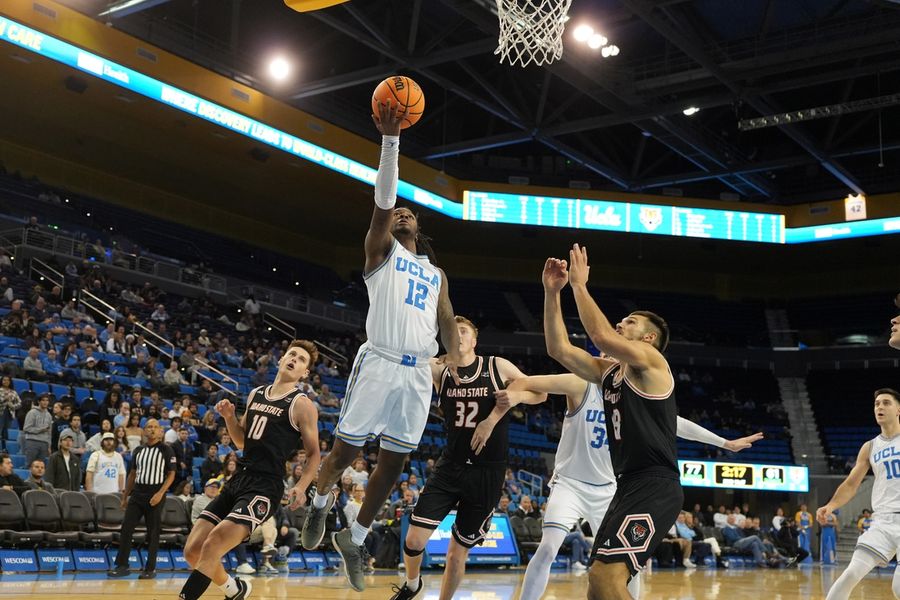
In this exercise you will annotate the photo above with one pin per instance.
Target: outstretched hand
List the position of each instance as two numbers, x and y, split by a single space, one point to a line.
742 443
225 408
296 497
389 118
578 265
555 277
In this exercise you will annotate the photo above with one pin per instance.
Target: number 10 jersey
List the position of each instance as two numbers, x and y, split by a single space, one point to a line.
885 461
271 435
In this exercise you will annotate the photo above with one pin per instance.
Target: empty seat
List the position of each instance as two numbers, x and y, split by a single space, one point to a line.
78 513
110 516
12 521
175 522
42 512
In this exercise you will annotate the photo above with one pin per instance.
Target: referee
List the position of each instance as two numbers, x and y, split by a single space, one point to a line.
151 473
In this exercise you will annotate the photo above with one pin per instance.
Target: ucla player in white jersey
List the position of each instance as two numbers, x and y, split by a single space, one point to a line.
583 483
389 391
877 546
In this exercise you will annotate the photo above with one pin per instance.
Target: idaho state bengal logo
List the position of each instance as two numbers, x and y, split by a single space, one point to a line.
638 533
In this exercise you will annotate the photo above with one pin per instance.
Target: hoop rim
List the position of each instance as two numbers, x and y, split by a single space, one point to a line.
311 5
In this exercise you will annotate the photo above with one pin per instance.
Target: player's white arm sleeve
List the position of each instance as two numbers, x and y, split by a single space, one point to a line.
388 172
689 430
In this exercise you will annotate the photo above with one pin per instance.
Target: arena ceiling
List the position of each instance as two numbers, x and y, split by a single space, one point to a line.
616 123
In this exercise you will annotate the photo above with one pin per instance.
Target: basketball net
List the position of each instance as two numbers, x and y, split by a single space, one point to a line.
531 31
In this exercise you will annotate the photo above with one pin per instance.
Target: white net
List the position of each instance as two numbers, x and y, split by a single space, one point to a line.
531 31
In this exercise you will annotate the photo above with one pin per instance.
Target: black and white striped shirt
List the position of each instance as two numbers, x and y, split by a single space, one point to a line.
151 465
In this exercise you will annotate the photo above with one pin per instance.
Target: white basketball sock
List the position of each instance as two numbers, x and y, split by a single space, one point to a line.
230 587
320 500
860 565
538 572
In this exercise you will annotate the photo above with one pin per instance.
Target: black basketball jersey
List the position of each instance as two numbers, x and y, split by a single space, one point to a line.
466 405
640 428
271 435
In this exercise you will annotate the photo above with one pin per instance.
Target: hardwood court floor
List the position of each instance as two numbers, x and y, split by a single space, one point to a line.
702 584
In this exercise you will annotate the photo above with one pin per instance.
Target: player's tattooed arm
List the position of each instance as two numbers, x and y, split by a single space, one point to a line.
849 487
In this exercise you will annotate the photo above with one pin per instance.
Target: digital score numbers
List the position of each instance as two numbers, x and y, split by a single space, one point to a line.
750 476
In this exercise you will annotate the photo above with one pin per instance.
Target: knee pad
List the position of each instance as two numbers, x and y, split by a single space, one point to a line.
410 552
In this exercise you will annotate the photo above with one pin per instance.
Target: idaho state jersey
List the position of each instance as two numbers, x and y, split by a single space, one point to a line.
640 427
271 436
468 404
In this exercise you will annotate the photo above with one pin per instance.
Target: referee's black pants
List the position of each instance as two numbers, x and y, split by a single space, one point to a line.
139 506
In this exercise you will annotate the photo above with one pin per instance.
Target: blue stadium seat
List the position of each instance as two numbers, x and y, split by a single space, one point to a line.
99 396
39 387
81 394
23 473
198 460
21 385
18 461
185 389
13 434
59 390
12 447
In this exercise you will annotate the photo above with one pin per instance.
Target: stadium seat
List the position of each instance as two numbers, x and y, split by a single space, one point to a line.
21 386
175 523
78 514
12 521
81 394
12 447
523 535
59 391
39 387
42 512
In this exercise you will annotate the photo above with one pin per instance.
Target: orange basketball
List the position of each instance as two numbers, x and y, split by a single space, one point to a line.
402 91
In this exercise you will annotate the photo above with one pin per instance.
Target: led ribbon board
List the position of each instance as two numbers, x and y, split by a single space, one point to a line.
487 207
111 72
748 476
499 545
626 217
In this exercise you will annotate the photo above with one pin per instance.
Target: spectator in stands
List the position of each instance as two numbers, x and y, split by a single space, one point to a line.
172 434
252 307
36 479
786 540
32 364
229 469
735 538
47 343
55 300
503 505
296 474
8 479
712 542
37 430
865 521
327 400
159 314
172 378
108 333
527 508
212 464
357 495
201 501
109 408
720 519
184 455
225 446
739 518
79 440
63 467
124 414
51 366
9 404
70 357
122 445
6 292
133 430
203 339
205 393
684 536
136 398
69 311
105 468
358 471
778 519
33 339
184 491
413 484
116 344
89 371
93 444
60 422
404 504
261 377
208 429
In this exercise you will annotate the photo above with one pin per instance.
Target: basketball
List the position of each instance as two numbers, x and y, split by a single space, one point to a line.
401 90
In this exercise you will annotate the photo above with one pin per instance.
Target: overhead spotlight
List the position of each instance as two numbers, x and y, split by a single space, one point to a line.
596 41
604 52
274 269
690 111
583 33
279 68
613 50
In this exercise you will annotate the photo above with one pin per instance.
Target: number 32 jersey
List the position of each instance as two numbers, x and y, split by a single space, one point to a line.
468 404
403 299
271 435
583 452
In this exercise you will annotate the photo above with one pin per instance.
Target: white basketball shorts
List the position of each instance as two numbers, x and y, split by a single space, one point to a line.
571 500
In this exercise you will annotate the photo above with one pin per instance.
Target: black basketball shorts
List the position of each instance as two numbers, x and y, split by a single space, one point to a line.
246 499
640 515
472 490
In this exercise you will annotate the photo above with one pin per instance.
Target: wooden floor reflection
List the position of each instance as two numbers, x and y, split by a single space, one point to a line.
702 584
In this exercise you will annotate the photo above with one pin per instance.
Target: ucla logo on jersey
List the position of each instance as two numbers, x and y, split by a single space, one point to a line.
885 453
404 265
595 416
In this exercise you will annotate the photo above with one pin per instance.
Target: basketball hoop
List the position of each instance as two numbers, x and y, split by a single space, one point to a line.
311 5
531 30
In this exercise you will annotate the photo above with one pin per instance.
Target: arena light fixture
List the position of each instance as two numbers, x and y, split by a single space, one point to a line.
583 33
690 111
596 41
279 68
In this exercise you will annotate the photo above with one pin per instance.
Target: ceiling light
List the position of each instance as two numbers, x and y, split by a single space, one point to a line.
690 111
583 33
605 52
613 50
596 41
279 68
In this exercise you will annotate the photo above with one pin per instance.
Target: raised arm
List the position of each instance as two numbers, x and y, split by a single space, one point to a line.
848 488
509 373
576 360
571 386
688 430
308 418
637 354
379 240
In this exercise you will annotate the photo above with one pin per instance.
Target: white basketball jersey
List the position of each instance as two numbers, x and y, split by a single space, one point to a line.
885 461
106 469
403 299
583 452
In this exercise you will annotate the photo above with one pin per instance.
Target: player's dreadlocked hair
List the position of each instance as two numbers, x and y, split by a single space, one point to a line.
423 243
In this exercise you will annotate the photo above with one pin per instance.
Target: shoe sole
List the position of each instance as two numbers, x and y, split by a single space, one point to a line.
328 506
249 585
344 564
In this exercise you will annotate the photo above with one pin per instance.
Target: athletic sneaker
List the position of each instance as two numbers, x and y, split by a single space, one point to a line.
267 569
688 564
578 566
355 558
404 593
314 525
245 569
244 587
270 549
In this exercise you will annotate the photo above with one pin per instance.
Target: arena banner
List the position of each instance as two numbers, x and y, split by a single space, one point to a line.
178 561
90 560
315 560
333 558
163 560
18 561
134 559
49 559
295 561
748 476
499 546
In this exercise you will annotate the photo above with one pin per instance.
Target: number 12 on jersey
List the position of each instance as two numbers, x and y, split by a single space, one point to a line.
416 294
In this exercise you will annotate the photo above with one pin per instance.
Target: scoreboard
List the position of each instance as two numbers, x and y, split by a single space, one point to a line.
748 476
626 217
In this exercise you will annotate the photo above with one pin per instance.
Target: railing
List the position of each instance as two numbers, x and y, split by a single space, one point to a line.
297 302
533 481
95 303
326 350
225 377
45 272
281 326
69 246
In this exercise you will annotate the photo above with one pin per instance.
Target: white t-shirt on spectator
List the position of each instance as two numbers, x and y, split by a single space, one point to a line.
359 477
106 469
739 520
171 436
720 520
